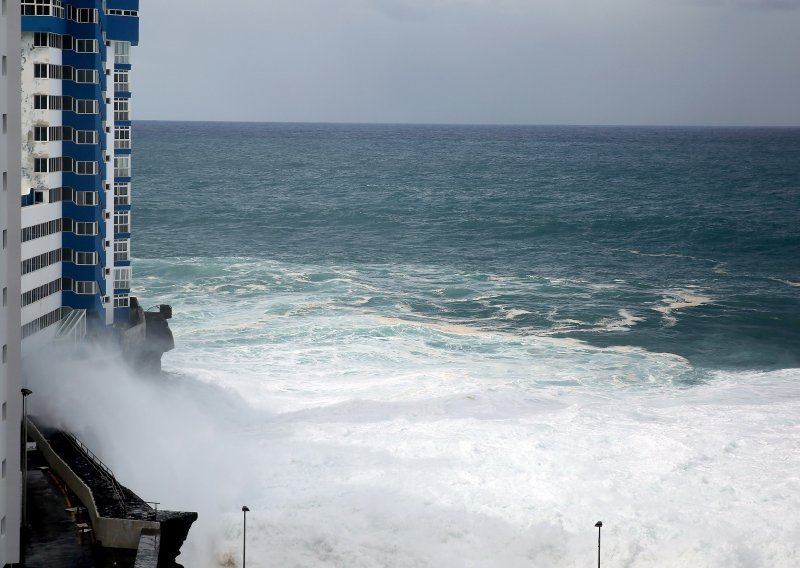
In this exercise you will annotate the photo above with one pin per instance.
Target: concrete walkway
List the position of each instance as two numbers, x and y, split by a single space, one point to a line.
53 539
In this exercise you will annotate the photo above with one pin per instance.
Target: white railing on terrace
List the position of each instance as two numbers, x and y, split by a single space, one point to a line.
72 326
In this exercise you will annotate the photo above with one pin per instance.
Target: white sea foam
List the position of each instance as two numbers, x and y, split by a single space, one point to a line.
625 321
431 470
364 439
674 300
454 469
787 282
511 314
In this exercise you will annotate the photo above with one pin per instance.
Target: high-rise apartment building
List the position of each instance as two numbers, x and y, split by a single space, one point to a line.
76 166
10 374
65 158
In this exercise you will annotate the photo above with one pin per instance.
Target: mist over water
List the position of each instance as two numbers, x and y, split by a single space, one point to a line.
457 346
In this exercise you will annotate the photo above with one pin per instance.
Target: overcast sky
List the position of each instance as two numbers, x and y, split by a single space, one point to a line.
671 62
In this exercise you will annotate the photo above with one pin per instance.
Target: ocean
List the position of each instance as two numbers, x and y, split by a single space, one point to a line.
461 346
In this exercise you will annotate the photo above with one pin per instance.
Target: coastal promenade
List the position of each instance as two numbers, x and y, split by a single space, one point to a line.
81 516
56 536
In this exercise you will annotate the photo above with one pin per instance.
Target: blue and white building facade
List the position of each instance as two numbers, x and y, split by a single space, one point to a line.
76 165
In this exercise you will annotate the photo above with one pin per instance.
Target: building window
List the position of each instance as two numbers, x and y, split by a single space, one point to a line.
122 193
57 164
40 133
122 301
121 110
122 166
86 137
44 71
122 250
41 230
4 469
5 353
117 12
41 261
84 228
86 45
86 76
82 15
41 292
79 227
86 106
122 278
41 323
44 39
5 410
122 222
86 168
53 8
83 287
122 137
82 258
122 52
55 102
5 296
85 198
121 82
40 165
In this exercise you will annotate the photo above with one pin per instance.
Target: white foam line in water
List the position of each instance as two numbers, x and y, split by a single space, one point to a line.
511 314
675 300
624 323
787 282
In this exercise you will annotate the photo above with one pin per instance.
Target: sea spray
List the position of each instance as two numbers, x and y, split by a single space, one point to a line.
169 440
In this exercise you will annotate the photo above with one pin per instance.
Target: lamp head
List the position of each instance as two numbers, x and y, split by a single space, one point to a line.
245 509
26 392
598 524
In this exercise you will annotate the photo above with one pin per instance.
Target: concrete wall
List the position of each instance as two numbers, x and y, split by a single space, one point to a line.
112 533
10 374
147 555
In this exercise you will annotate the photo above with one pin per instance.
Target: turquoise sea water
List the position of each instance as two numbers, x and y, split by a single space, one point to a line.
473 342
522 229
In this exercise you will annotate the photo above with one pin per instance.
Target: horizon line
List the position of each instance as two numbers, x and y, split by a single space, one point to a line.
487 124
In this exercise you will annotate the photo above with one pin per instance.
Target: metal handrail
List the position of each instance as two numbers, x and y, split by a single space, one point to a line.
102 468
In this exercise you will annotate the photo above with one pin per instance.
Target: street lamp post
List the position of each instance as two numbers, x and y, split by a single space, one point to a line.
245 510
599 525
25 393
